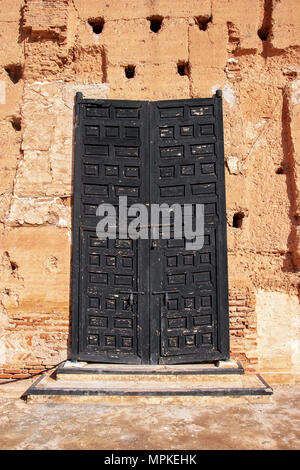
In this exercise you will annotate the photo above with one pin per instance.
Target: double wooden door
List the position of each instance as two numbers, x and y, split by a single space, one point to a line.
148 301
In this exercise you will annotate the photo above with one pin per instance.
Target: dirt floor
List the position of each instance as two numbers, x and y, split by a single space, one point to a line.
274 425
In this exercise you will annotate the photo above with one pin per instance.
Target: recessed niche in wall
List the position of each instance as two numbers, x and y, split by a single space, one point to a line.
203 22
130 71
263 34
15 72
97 24
183 68
155 23
16 122
237 221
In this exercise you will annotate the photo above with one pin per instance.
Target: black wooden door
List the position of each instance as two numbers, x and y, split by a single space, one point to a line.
149 301
110 318
189 288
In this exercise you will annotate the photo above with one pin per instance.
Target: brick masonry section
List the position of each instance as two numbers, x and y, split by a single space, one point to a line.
243 326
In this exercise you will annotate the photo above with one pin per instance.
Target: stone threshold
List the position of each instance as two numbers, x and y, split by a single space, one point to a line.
121 385
84 368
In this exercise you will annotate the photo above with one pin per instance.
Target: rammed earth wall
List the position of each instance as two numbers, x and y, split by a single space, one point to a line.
158 49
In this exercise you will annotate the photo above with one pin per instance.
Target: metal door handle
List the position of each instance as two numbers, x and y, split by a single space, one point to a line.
131 296
166 294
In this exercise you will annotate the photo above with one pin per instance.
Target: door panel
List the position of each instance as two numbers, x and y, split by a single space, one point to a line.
187 162
110 285
135 301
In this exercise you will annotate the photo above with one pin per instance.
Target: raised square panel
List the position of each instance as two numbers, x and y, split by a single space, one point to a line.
207 240
96 111
210 209
173 342
127 262
123 323
127 113
95 260
203 188
98 278
205 258
189 302
93 302
132 171
175 112
206 301
111 170
172 243
174 323
203 276
190 340
91 170
171 152
99 150
188 260
187 131
96 189
172 261
93 131
110 304
201 149
96 242
112 131
130 191
207 129
207 338
127 152
125 244
93 340
173 304
167 171
89 209
166 132
110 261
202 320
123 280
187 170
101 322
201 110
127 342
110 340
172 191
208 168
174 279
132 132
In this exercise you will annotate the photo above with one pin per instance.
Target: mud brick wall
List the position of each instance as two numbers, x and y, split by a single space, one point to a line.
158 49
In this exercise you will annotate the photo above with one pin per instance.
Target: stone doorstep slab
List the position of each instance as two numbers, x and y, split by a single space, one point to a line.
87 369
123 377
203 386
140 400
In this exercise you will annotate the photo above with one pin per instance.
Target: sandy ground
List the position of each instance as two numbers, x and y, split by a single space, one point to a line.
273 425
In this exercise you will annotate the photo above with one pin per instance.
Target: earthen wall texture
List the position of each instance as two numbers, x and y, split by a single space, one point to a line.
176 49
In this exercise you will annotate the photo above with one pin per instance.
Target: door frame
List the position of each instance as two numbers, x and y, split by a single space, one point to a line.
150 343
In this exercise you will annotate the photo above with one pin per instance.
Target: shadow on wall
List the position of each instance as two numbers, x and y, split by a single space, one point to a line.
69 344
287 169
